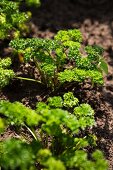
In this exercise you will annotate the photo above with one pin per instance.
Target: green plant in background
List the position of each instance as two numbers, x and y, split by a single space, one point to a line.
59 142
60 60
13 23
33 2
6 74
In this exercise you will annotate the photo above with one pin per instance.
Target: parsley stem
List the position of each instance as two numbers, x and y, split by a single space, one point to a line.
31 131
29 79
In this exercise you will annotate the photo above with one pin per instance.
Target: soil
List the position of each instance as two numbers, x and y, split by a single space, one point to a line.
96 25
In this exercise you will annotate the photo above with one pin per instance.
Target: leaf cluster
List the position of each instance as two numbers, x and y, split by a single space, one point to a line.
12 21
16 154
60 60
52 115
6 74
58 144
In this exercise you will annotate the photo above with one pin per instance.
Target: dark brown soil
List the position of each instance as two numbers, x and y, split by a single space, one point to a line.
96 24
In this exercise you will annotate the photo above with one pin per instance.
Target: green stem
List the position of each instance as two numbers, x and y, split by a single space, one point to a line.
41 137
43 79
46 141
28 79
32 133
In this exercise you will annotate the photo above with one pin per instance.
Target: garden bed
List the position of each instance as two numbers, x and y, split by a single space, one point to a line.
96 25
